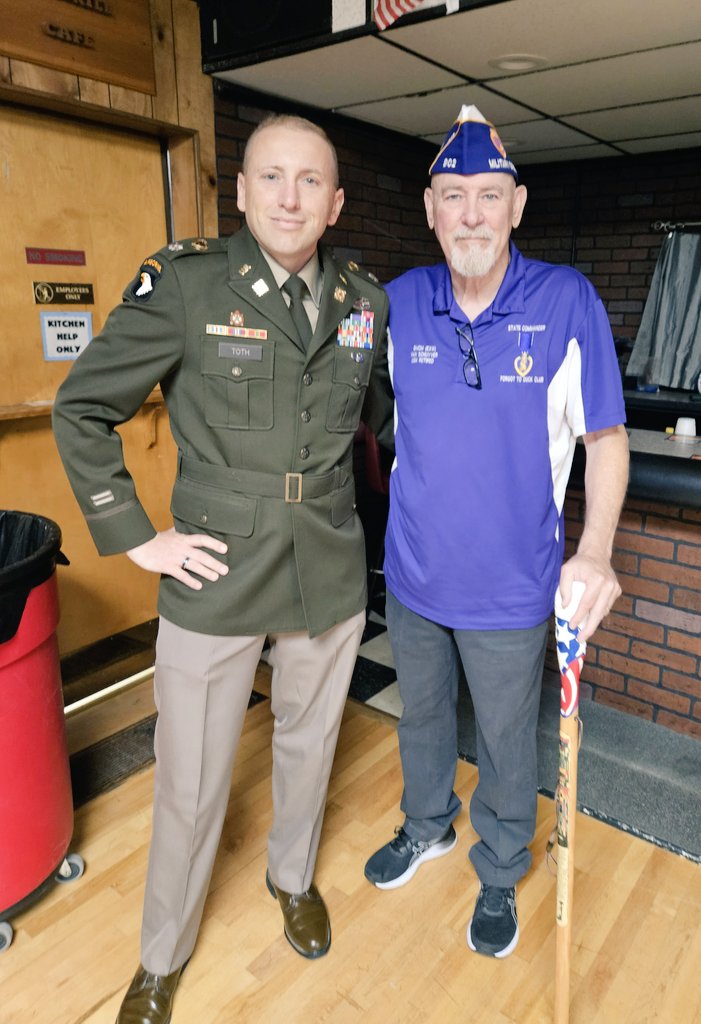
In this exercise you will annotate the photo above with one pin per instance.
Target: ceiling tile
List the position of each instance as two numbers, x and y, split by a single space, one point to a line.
639 77
539 135
350 72
662 142
561 31
554 153
667 118
419 115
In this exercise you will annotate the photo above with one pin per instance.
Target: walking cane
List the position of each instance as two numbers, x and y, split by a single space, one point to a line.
570 656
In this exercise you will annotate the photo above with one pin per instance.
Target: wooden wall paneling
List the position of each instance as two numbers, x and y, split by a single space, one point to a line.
82 186
165 102
92 91
196 105
119 47
130 101
73 197
98 596
187 213
113 209
56 83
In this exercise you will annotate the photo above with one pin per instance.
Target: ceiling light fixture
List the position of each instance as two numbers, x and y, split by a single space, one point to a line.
517 62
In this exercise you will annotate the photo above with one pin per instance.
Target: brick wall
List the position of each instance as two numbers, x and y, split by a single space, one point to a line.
645 658
383 223
598 214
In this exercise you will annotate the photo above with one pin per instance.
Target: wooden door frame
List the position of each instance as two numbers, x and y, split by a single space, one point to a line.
180 151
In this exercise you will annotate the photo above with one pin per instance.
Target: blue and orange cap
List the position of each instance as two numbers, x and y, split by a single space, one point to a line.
472 146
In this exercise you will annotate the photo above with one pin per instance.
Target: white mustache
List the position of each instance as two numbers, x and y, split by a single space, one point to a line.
483 234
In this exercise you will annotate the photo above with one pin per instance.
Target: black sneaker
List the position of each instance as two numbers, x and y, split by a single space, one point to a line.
493 929
397 862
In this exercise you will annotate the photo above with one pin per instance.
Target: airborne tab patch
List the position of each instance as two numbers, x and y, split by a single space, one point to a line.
149 276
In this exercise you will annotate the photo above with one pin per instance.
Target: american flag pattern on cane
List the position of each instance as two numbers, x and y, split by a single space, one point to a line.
570 650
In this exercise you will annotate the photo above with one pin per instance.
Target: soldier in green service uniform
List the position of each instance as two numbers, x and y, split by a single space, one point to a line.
267 351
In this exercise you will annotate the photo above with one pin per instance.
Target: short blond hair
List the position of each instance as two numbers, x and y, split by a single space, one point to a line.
299 124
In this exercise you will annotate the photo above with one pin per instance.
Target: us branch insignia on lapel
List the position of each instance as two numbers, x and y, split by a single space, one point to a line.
340 294
355 331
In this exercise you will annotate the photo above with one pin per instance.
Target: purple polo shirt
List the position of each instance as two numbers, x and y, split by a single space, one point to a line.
476 534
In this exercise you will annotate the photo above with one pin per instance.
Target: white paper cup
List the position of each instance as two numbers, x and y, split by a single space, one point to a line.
686 427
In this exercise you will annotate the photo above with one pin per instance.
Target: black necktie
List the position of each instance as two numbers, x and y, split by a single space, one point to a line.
295 288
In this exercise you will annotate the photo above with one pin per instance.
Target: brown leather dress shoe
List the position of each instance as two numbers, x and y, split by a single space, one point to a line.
149 998
307 927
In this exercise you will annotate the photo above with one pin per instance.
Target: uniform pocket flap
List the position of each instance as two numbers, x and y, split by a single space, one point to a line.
210 509
352 367
343 505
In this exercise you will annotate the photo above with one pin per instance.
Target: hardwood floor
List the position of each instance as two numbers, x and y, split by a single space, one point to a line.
397 957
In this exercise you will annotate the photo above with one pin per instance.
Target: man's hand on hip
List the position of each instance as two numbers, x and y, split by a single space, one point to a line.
179 555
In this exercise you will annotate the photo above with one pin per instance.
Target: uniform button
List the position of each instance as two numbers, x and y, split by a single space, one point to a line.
237 371
203 517
304 453
307 378
306 416
356 381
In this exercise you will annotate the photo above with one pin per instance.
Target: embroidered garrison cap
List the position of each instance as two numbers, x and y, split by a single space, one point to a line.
472 146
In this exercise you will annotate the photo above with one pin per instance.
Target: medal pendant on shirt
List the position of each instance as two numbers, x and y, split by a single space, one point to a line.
355 331
523 364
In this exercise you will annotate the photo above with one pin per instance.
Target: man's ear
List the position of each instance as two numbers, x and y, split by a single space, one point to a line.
520 196
241 192
428 203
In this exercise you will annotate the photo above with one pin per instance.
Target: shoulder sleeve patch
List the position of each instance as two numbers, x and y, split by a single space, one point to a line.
146 280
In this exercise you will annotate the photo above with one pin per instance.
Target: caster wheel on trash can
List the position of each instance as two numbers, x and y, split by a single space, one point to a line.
6 934
72 867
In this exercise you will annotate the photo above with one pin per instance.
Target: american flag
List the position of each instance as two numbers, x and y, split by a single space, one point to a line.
387 11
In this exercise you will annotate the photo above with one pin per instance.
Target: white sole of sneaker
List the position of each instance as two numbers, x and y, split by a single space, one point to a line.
433 853
502 952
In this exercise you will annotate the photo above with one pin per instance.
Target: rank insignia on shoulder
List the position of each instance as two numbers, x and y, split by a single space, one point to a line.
175 247
340 294
236 318
200 244
149 276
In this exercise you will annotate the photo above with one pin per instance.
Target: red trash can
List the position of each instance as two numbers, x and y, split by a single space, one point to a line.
36 803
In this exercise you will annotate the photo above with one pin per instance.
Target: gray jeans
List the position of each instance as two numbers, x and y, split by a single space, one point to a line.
504 670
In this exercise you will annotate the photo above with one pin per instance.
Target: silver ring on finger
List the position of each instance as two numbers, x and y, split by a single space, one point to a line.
184 563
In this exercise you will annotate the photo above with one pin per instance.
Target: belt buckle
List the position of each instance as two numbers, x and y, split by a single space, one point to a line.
288 478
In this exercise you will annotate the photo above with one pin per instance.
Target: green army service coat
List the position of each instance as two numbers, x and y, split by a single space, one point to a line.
264 430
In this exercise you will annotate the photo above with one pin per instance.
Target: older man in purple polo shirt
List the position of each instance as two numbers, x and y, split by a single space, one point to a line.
499 363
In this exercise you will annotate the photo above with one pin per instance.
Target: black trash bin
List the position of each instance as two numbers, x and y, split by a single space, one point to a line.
36 804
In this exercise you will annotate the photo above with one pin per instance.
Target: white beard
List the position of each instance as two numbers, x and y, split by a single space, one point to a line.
473 262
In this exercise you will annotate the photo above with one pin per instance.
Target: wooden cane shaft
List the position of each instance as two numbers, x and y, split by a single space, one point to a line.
566 811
